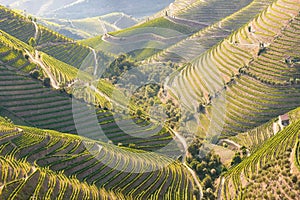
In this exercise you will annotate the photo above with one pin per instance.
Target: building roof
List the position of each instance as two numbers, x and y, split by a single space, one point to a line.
284 117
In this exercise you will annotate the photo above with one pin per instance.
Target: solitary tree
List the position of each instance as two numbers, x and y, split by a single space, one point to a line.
32 42
236 159
47 82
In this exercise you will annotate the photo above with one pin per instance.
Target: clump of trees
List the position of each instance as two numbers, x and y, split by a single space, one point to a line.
207 165
35 74
145 97
239 156
118 67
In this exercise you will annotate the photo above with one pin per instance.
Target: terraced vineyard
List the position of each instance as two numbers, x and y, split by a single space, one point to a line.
63 72
48 41
157 33
15 59
200 16
62 160
269 172
195 45
66 133
90 27
252 139
24 185
224 65
41 107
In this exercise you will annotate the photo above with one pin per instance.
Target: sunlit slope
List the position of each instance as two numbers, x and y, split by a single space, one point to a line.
22 180
193 46
254 138
39 106
20 56
90 164
227 68
272 171
90 27
48 41
156 34
29 102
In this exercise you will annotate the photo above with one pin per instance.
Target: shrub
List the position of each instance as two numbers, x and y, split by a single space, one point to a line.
35 74
47 82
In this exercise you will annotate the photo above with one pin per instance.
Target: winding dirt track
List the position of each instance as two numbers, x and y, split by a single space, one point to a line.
185 146
37 60
36 30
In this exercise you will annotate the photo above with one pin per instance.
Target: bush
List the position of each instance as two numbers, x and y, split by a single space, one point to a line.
47 82
132 146
294 179
236 159
32 42
207 182
35 74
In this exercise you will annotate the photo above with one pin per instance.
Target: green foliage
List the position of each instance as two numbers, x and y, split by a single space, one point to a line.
118 67
35 74
207 166
236 159
47 82
32 42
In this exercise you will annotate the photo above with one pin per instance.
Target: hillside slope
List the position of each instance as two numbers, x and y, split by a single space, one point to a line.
222 78
193 46
86 164
156 34
48 41
89 27
271 172
74 9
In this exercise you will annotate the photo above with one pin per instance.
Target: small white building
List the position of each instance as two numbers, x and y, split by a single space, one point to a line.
284 120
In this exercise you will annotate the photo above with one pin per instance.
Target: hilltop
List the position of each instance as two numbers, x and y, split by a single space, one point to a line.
72 9
89 27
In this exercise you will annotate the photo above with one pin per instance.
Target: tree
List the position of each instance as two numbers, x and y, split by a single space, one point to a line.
139 112
47 82
207 182
32 42
236 159
193 149
35 74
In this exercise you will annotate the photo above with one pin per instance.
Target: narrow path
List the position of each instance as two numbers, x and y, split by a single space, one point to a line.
238 146
183 142
117 21
99 92
38 61
96 61
71 23
194 175
36 30
220 188
195 179
102 25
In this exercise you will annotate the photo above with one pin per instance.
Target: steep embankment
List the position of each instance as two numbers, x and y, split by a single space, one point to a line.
270 172
87 163
226 72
